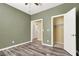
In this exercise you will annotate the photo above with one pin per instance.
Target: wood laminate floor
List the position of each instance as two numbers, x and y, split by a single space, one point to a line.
34 49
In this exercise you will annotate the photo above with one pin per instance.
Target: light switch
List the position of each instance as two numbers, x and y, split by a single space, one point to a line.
48 30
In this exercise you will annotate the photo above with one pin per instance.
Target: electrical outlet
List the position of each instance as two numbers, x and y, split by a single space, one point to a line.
47 40
13 41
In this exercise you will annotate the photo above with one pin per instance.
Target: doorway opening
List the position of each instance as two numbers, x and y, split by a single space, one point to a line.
58 31
37 30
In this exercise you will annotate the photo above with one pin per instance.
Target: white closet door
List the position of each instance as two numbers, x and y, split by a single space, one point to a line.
70 31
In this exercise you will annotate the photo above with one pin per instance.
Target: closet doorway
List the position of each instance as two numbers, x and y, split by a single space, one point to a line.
37 30
63 31
58 31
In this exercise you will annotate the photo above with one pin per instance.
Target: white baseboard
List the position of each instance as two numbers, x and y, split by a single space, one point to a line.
22 44
14 46
47 45
59 43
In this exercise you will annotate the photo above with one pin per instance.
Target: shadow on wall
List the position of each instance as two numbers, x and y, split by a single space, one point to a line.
77 33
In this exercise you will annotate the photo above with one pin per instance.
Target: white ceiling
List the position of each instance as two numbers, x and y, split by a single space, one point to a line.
31 8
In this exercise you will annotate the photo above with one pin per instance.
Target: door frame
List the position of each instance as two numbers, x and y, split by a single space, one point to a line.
52 18
41 30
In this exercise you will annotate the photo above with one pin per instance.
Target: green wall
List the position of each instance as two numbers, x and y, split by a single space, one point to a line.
14 26
46 16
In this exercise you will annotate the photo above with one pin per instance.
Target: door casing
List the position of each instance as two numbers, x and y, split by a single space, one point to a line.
41 28
68 46
52 18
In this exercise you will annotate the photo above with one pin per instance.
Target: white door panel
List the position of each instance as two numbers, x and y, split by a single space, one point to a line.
70 31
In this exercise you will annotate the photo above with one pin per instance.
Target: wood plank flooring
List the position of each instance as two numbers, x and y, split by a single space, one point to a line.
34 49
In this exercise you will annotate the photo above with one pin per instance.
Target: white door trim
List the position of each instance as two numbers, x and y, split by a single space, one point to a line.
41 30
14 45
52 26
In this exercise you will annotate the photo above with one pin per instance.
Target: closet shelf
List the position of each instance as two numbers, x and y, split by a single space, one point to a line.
59 25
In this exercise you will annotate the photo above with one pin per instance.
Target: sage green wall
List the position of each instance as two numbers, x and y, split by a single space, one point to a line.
46 16
14 25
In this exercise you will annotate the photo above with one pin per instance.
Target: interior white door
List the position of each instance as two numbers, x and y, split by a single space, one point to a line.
70 31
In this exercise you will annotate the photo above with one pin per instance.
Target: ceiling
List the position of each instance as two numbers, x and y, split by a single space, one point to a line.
31 8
